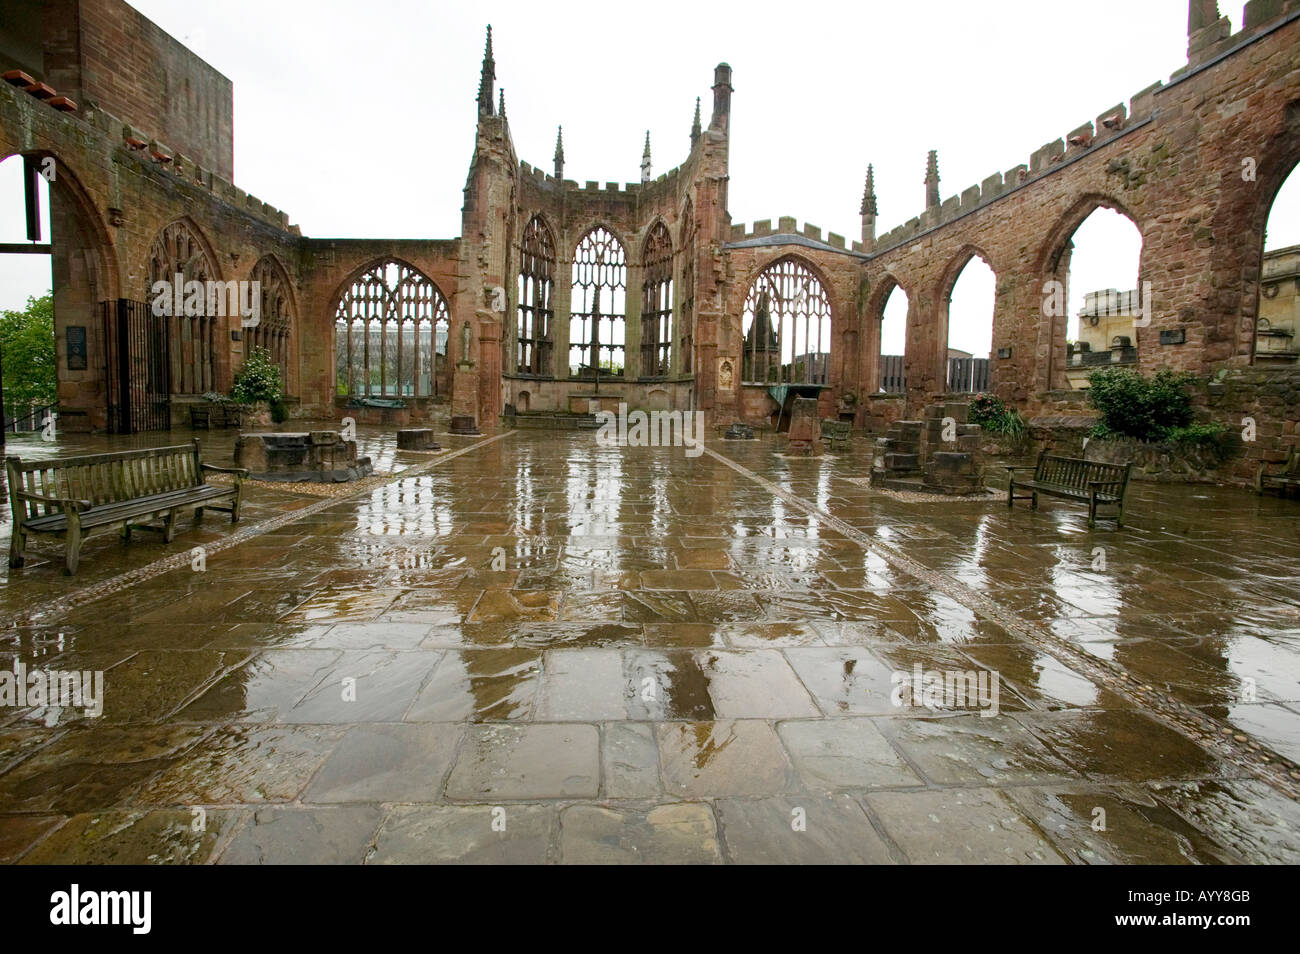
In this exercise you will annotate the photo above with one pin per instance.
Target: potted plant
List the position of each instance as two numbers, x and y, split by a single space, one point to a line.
259 387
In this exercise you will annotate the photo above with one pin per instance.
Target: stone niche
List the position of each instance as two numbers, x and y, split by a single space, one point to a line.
318 456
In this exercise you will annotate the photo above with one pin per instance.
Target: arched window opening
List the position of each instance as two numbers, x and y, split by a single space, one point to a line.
275 319
1277 323
970 328
657 304
893 342
191 338
596 323
787 327
391 335
1099 269
686 323
534 345
26 283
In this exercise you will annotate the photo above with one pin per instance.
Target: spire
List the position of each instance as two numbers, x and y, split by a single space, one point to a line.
559 154
869 193
501 105
868 212
695 126
487 78
932 179
645 159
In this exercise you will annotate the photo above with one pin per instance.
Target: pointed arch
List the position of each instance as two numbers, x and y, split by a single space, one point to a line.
179 249
276 328
1054 260
534 341
391 329
598 305
963 375
888 354
786 325
657 302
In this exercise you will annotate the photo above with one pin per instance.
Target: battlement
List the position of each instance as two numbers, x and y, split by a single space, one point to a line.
1208 37
1261 16
181 167
786 225
666 182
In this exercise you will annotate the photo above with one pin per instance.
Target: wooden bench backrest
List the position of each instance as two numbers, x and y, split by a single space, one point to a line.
103 478
1079 474
1292 468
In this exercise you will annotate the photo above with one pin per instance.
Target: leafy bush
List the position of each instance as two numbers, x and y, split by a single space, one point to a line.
258 380
27 343
1197 433
1148 409
990 413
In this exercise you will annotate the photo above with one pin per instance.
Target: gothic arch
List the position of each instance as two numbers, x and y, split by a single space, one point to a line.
947 283
598 303
787 313
85 270
534 332
657 302
392 325
1053 265
197 354
277 327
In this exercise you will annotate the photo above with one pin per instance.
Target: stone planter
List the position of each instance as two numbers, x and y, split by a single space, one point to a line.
257 414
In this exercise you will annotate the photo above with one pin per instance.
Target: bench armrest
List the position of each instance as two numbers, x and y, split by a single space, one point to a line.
1023 467
241 471
67 503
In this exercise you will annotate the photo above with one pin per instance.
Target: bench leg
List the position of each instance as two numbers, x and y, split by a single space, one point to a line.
126 533
1011 494
17 544
198 516
237 501
72 545
1092 512
1033 502
169 526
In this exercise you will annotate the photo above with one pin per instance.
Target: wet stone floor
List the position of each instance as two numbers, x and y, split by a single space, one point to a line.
530 648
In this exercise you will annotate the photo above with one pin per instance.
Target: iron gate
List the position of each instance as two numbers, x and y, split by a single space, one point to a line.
137 369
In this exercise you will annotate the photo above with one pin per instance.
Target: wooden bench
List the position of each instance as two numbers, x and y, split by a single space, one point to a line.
1284 481
71 496
836 433
1093 482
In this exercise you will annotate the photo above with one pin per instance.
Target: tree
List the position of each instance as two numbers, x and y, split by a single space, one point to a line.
27 349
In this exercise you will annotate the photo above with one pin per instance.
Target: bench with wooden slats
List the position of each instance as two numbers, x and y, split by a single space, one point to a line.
1284 480
71 496
1095 483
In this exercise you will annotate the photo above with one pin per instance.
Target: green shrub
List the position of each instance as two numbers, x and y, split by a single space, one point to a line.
1148 409
258 380
990 413
1208 433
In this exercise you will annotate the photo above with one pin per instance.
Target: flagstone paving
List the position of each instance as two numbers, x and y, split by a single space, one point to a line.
534 649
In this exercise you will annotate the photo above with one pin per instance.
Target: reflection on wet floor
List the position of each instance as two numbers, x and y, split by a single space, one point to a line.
645 656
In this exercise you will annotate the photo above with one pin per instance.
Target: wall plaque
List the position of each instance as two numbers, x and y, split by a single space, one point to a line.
75 337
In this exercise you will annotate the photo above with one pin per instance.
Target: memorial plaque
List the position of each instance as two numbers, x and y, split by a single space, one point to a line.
76 341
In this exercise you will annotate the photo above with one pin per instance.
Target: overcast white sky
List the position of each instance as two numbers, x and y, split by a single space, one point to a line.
357 118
